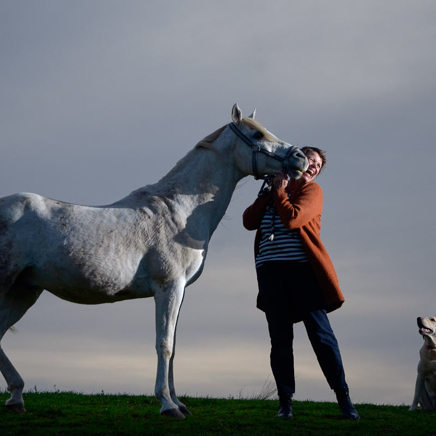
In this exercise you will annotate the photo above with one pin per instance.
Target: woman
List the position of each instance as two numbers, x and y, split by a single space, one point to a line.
296 278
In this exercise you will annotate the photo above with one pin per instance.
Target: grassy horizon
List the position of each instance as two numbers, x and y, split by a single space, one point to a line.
71 413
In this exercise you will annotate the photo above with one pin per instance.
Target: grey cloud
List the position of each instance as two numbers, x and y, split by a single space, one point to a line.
101 98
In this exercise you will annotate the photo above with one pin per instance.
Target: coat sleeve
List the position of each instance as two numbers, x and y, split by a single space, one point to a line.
252 217
299 211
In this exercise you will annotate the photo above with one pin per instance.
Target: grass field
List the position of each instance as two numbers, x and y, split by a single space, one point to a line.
69 413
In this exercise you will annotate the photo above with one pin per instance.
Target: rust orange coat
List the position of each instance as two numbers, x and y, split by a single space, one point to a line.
302 211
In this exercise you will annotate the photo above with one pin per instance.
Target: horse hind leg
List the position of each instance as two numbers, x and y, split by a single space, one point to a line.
15 384
13 305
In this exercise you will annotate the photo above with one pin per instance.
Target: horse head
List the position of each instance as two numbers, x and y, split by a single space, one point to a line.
269 155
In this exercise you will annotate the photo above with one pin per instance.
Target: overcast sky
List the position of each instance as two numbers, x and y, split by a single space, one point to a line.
99 98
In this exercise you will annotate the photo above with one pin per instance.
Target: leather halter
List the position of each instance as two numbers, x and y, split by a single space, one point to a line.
256 148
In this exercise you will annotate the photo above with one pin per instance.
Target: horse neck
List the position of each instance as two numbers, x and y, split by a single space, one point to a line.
200 186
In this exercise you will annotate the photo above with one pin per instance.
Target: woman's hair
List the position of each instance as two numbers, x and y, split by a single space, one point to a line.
320 152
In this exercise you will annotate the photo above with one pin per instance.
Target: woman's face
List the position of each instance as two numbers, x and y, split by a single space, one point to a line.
315 165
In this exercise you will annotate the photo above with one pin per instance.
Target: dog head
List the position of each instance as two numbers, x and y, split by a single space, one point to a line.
427 328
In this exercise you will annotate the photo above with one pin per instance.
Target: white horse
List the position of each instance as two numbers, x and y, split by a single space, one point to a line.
152 243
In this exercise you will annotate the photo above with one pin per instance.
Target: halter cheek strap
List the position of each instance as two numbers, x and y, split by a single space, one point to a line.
254 147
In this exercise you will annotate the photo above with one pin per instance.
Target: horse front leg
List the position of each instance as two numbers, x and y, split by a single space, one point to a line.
168 301
173 394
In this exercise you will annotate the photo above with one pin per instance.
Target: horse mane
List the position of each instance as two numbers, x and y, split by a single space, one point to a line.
255 125
206 143
210 139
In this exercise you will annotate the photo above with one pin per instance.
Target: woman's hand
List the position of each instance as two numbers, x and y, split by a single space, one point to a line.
280 181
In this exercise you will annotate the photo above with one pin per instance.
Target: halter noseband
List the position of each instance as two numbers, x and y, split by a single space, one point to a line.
257 149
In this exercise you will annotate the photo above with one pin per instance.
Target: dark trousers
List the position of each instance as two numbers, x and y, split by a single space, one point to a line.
289 291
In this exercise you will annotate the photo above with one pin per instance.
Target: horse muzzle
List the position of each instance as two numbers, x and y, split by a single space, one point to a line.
296 163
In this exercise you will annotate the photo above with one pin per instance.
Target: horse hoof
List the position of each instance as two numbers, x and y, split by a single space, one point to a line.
184 410
173 413
17 408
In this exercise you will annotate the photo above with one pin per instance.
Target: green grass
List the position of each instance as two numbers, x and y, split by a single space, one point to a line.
69 413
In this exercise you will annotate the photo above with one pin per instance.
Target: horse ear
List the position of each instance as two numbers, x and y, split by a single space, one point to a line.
236 114
253 114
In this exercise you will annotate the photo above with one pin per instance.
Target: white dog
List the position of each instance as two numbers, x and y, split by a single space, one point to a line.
425 389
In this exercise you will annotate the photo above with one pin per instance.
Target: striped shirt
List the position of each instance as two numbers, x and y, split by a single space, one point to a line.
278 242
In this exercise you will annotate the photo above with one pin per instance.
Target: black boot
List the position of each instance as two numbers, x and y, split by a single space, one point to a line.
345 404
285 410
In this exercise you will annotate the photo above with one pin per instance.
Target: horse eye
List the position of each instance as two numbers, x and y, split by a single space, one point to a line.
258 135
